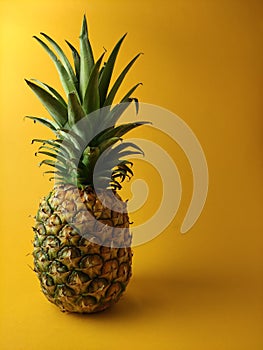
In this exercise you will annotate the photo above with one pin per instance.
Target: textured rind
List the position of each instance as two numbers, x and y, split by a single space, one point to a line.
79 274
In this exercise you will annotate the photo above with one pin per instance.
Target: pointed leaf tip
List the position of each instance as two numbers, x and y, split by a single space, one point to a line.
108 70
84 27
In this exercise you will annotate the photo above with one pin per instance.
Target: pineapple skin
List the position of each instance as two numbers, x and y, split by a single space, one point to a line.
78 262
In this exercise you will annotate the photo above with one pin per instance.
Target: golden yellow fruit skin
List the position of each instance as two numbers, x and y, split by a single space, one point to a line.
82 266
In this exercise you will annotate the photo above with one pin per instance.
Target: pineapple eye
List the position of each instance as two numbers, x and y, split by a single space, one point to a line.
51 242
77 277
54 220
86 301
40 228
57 267
114 290
69 253
47 280
98 284
64 291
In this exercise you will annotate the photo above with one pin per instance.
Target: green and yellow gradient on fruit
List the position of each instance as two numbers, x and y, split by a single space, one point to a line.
82 248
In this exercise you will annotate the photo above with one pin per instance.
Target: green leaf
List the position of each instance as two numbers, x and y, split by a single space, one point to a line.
108 143
91 100
101 70
126 168
125 145
115 184
112 157
50 172
49 148
124 128
63 58
128 153
55 108
47 142
136 104
72 139
113 116
76 59
55 146
125 162
118 131
41 140
107 71
86 59
53 155
47 162
67 147
53 91
120 173
118 82
48 123
66 80
53 164
129 93
75 111
59 152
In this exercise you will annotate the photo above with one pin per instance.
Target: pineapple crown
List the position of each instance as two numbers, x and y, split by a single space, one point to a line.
85 126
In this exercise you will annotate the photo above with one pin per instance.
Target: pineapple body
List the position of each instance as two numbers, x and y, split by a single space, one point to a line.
82 266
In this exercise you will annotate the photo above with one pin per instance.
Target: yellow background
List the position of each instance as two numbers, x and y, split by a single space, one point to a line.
203 61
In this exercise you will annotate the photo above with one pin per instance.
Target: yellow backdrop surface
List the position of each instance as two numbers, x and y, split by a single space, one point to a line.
203 61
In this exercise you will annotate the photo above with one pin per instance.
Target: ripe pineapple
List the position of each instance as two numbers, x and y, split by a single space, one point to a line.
82 247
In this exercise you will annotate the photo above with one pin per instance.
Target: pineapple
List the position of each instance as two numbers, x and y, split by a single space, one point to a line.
82 245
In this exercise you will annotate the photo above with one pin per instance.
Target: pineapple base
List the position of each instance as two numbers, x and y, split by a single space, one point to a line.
81 267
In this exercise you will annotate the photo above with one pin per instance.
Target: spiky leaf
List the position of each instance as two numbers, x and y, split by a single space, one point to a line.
118 82
52 91
86 59
76 59
48 123
91 100
63 58
118 131
107 71
55 108
75 110
66 80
